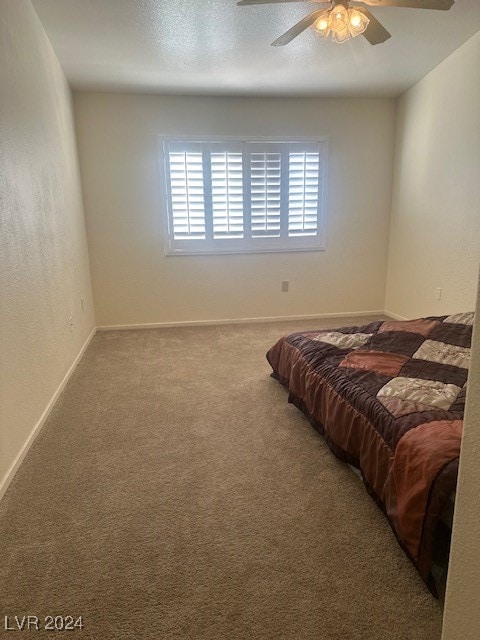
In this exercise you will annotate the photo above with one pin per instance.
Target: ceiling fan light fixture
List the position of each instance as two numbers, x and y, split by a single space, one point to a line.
341 23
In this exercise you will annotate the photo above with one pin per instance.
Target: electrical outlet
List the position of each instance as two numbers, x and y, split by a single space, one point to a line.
285 286
438 293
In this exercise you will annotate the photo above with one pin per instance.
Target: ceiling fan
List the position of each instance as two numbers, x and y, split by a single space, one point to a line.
345 19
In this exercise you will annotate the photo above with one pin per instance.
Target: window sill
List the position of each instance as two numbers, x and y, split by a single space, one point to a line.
213 252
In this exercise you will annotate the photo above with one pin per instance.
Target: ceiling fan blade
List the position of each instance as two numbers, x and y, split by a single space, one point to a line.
243 3
297 29
375 32
441 5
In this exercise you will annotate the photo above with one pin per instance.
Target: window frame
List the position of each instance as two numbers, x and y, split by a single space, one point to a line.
224 246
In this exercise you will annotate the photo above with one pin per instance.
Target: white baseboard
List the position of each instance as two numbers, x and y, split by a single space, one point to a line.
394 316
206 323
8 477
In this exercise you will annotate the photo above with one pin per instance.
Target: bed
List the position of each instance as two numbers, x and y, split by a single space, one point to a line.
389 399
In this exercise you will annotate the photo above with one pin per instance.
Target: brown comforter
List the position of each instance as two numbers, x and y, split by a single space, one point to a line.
389 398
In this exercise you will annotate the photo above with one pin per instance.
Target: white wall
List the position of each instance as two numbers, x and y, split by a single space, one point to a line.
43 252
462 603
135 283
435 227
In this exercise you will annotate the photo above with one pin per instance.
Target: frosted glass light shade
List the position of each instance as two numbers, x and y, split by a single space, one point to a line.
321 25
338 20
357 22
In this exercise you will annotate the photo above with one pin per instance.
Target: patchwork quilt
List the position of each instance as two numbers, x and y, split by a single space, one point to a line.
389 399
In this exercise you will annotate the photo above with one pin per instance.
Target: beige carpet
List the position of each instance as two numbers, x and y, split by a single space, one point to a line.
174 494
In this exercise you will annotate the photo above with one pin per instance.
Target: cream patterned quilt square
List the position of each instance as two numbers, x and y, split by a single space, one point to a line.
436 351
461 318
426 392
344 340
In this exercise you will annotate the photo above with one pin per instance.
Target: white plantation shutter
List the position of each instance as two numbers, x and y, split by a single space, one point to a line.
236 196
185 170
303 192
265 191
227 193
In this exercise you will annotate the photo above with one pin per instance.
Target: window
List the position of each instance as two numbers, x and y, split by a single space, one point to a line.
236 196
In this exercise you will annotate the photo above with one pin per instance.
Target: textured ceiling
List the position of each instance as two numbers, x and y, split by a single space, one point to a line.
215 47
